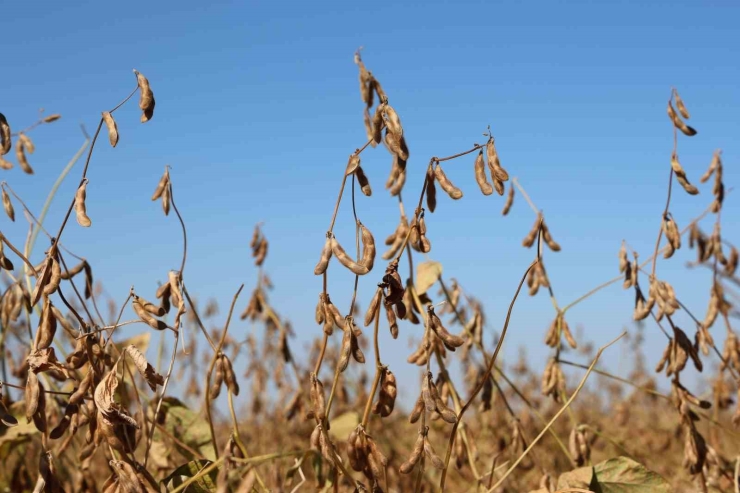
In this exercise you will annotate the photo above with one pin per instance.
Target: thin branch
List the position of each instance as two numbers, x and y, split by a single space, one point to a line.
557 415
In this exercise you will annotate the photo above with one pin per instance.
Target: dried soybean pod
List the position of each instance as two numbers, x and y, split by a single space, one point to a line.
426 393
363 182
70 273
408 300
480 175
391 142
163 183
39 419
345 259
499 186
8 206
399 237
354 461
392 237
492 155
166 200
528 240
352 164
5 164
20 155
378 455
680 105
32 392
444 182
400 181
447 414
378 123
329 318
552 244
714 164
425 246
368 248
387 395
5 136
64 423
413 459
319 314
47 328
431 190
146 97
78 396
397 146
151 307
732 261
317 398
681 175
499 174
567 333
509 201
672 235
27 142
110 123
678 123
88 280
367 120
80 207
403 154
54 278
393 121
392 320
372 309
429 451
218 380
42 279
174 279
146 316
345 350
229 376
379 90
52 118
366 90
325 258
417 410
333 313
357 353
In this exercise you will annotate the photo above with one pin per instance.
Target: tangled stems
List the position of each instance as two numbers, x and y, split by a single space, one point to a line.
557 415
478 387
216 354
495 382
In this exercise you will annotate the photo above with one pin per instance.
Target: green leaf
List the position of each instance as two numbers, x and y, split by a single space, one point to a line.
188 427
594 484
342 425
204 484
12 438
427 273
618 475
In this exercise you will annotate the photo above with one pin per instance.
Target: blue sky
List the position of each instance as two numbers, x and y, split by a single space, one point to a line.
258 107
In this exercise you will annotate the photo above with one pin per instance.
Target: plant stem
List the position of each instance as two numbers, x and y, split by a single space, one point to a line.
557 415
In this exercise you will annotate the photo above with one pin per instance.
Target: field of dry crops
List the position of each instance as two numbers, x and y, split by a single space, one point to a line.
84 410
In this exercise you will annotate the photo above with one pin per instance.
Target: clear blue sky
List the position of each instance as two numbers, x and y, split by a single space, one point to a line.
258 107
